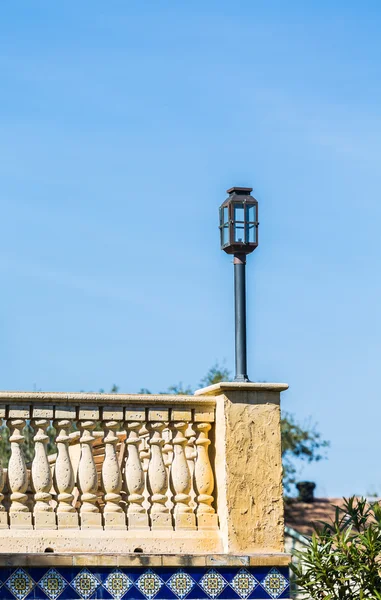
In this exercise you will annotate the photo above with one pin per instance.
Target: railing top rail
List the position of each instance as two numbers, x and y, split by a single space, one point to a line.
83 398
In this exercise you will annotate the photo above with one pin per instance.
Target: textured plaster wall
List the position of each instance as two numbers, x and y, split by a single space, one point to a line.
249 469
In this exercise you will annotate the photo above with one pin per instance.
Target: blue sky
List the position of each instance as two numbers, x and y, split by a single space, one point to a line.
121 126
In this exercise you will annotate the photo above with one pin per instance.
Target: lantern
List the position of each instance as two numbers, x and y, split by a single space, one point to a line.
239 236
239 222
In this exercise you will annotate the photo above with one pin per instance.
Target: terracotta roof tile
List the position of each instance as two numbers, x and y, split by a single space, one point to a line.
302 516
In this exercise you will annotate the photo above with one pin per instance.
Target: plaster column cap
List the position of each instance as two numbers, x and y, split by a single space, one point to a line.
235 386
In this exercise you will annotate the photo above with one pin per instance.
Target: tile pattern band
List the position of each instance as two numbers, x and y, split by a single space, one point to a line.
156 583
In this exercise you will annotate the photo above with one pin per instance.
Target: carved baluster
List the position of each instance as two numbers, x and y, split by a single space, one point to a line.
145 454
157 472
144 449
90 517
3 512
191 454
180 475
168 458
204 479
67 517
44 516
167 448
114 517
20 517
133 472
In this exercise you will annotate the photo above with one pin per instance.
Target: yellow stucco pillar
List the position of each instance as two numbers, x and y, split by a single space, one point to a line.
248 467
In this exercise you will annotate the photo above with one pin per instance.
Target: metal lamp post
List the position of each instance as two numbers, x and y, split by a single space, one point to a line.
239 236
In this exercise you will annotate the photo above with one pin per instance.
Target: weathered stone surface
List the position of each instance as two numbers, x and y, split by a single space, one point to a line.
181 414
67 520
112 413
3 520
207 521
19 520
161 521
117 541
185 521
143 560
91 520
45 520
248 467
115 520
158 414
42 412
138 521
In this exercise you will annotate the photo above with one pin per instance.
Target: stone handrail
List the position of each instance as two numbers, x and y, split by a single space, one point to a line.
164 481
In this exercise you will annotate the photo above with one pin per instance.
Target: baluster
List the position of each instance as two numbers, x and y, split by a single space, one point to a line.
44 516
157 472
3 512
90 517
114 517
134 473
204 479
144 449
67 517
168 458
167 448
180 475
191 454
20 517
145 454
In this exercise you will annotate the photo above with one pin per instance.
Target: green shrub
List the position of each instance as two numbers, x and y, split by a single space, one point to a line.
343 558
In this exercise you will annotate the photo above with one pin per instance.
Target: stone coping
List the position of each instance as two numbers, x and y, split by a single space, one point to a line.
142 560
79 398
218 388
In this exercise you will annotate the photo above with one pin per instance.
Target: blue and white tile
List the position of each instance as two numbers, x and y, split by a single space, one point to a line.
117 584
244 583
20 584
85 584
53 584
181 584
212 582
149 583
274 583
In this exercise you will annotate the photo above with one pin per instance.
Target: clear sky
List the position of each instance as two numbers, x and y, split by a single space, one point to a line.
121 126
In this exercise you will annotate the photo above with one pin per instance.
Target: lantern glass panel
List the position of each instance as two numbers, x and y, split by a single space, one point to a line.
239 232
251 234
239 212
251 212
225 235
225 215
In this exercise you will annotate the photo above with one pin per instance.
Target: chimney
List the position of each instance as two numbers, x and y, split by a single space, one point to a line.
306 491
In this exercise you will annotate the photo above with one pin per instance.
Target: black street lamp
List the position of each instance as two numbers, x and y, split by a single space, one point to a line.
239 236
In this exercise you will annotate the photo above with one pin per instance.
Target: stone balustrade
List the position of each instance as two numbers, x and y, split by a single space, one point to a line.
164 480
144 473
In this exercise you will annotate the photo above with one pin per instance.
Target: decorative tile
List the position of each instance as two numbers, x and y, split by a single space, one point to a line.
212 583
274 583
53 584
149 584
181 584
117 584
243 583
85 584
20 584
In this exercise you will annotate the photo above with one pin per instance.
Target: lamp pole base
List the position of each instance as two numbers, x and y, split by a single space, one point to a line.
242 379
